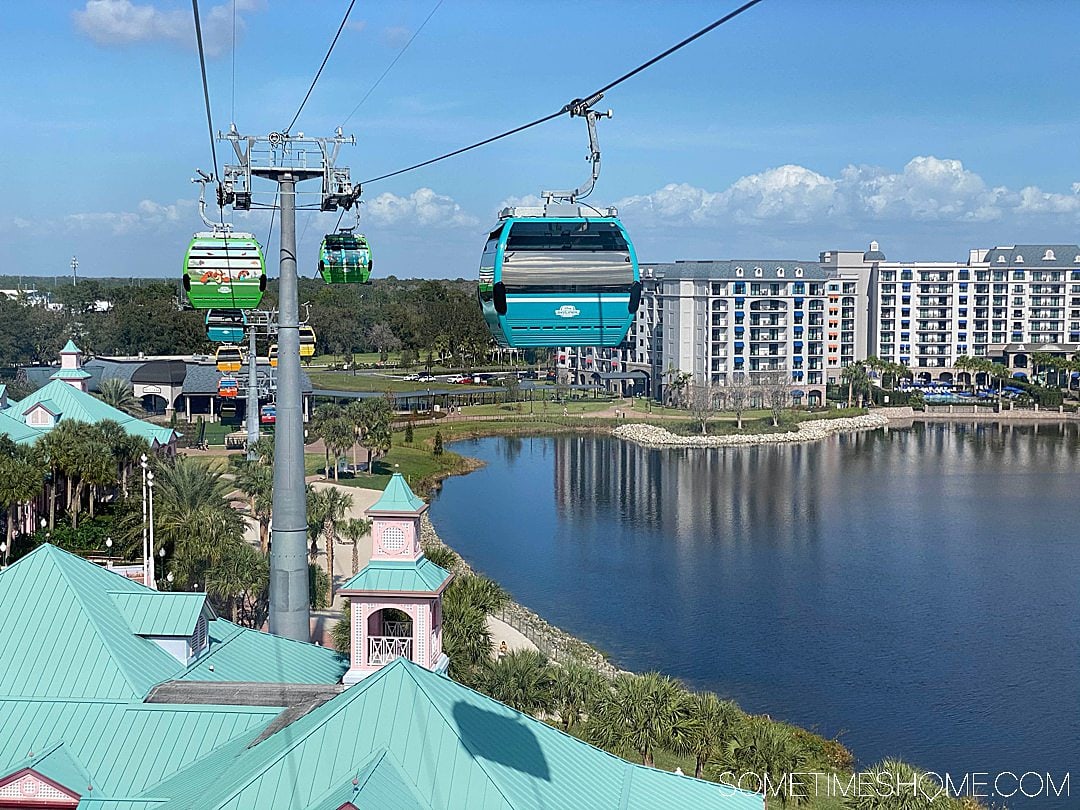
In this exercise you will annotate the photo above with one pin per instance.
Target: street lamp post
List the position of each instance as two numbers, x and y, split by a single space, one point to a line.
152 582
145 544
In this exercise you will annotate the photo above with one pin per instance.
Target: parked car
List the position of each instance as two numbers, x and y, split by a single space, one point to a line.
426 378
411 377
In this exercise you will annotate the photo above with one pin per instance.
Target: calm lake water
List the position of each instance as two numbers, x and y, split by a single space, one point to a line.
916 591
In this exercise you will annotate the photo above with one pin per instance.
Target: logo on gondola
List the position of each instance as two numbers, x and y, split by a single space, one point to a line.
568 311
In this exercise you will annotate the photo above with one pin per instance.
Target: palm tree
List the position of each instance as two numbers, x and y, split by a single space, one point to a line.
61 446
771 751
573 687
352 531
715 721
334 504
21 478
443 556
858 382
521 679
374 424
467 602
356 414
917 791
639 713
322 416
466 638
194 517
115 391
239 580
339 436
256 480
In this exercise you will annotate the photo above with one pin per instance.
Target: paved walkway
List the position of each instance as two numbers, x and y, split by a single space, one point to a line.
501 631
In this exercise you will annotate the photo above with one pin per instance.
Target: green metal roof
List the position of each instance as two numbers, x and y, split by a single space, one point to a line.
151 613
48 405
17 430
125 747
443 747
55 762
397 497
396 576
71 374
241 654
80 406
64 636
70 348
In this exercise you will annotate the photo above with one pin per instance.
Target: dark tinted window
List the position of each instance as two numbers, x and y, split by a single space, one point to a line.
560 236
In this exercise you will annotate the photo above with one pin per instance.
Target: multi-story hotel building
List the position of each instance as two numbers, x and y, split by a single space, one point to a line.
714 319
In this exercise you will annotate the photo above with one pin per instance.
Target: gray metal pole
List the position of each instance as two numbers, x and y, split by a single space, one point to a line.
289 611
252 392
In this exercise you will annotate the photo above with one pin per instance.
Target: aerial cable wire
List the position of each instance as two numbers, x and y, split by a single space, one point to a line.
392 63
213 145
205 86
318 73
232 110
576 104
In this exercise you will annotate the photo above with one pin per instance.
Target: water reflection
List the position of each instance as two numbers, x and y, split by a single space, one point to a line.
913 588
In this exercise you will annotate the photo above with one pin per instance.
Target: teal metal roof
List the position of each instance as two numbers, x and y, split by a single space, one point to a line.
55 762
125 747
71 374
80 406
74 672
397 497
241 654
442 746
64 636
152 613
395 576
70 348
47 404
17 430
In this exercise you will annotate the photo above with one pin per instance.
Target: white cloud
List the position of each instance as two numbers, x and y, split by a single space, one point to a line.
926 190
123 22
396 36
422 207
148 215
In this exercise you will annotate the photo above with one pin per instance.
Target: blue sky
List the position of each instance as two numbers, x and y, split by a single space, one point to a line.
803 125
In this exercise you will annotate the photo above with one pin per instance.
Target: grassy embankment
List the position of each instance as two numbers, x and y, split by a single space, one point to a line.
423 470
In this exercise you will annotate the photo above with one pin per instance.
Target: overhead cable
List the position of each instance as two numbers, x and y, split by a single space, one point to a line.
392 63
205 87
577 104
318 73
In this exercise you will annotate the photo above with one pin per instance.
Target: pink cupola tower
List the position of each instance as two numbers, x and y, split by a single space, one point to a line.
71 370
396 600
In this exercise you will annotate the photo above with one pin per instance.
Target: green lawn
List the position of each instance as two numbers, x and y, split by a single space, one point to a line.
541 407
380 382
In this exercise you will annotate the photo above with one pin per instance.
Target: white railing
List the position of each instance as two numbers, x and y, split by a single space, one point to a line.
384 649
397 629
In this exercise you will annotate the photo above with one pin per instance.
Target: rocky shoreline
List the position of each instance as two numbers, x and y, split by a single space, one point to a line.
557 644
810 431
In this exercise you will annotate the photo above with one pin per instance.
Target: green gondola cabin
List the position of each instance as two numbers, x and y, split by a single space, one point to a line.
224 271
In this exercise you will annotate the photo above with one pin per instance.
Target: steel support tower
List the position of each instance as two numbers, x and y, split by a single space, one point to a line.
287 160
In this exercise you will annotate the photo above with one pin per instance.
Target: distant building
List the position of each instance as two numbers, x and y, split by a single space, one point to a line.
66 397
185 385
811 318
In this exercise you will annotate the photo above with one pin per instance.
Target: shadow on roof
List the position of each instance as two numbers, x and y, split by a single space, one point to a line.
501 738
